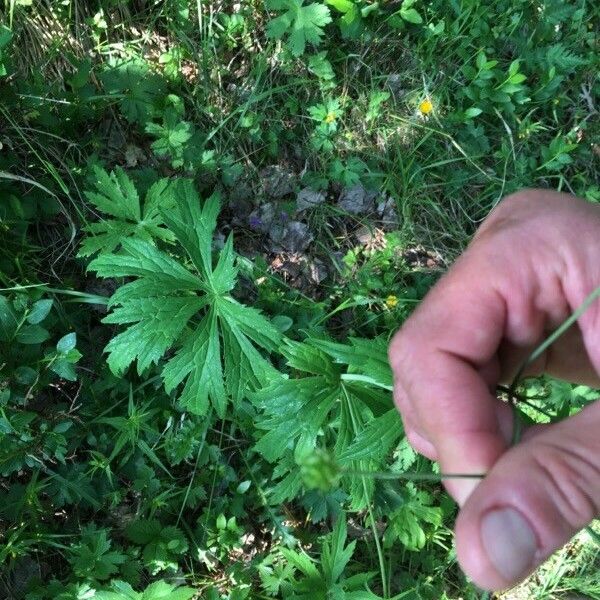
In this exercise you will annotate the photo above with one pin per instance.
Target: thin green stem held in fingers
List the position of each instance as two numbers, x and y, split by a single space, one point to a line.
551 339
517 420
412 476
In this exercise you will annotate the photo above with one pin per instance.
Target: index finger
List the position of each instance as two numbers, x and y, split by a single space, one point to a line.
438 355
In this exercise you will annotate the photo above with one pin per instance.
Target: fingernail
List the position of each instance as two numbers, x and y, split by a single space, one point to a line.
509 541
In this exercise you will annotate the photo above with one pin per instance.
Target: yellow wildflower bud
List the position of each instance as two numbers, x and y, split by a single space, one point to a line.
330 118
426 107
391 301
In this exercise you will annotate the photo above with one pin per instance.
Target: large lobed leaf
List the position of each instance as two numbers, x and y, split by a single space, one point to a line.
336 397
299 24
115 196
168 305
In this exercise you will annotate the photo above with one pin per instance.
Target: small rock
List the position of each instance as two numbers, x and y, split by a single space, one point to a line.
386 209
24 572
277 181
357 200
240 203
262 218
364 235
101 287
308 198
115 136
337 260
316 271
218 242
373 239
277 233
296 237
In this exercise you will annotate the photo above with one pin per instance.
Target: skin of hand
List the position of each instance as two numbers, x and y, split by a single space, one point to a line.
533 261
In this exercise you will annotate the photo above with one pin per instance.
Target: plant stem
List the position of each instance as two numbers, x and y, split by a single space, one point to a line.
551 339
413 476
517 422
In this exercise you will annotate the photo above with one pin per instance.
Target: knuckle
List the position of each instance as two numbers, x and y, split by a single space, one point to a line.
521 201
571 477
525 196
509 213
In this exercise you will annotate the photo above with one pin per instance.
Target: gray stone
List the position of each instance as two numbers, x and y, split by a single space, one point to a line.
386 209
357 200
316 271
296 237
277 181
262 218
134 155
308 198
365 235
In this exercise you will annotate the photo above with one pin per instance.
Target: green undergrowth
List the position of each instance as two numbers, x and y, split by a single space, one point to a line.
214 217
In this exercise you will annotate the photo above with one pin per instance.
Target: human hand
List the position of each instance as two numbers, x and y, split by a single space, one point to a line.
532 262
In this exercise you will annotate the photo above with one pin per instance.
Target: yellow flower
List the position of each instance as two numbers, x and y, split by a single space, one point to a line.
426 106
330 118
391 301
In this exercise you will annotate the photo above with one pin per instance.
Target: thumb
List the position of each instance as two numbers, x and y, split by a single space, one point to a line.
535 498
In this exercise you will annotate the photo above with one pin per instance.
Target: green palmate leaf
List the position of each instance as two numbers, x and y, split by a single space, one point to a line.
320 66
376 439
318 408
136 87
168 306
194 225
177 140
93 556
162 545
413 519
325 579
321 505
159 590
148 339
335 556
295 409
302 562
294 413
199 360
141 259
299 24
364 357
115 196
